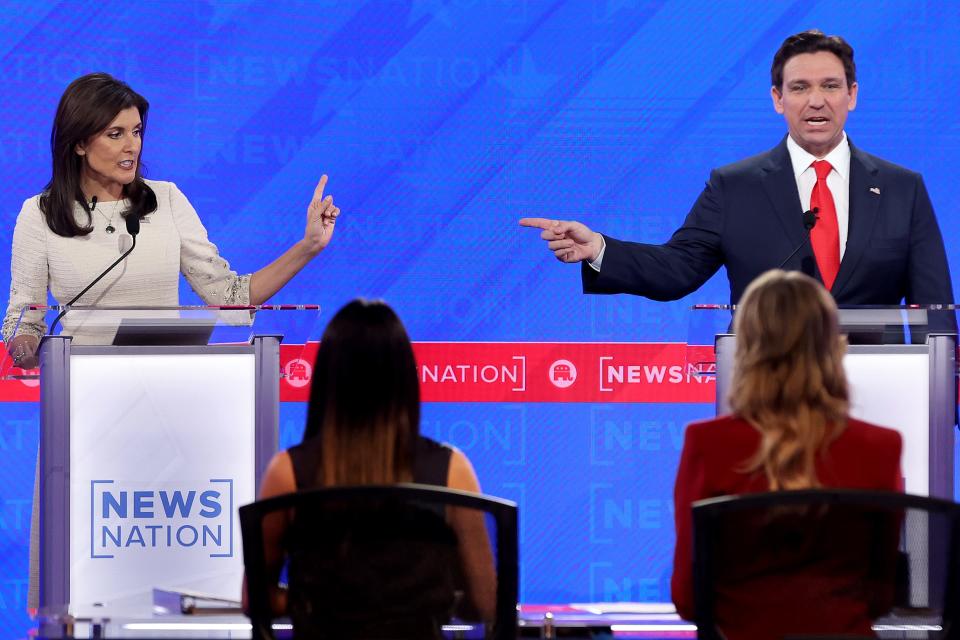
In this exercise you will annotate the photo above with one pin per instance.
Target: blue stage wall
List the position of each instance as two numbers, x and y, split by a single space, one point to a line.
440 123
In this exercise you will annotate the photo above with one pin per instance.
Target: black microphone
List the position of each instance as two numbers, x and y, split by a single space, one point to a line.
810 218
93 203
133 228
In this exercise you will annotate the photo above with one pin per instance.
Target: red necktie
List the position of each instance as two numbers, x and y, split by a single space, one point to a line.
825 237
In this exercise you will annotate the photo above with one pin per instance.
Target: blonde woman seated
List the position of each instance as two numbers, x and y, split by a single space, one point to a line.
789 429
363 427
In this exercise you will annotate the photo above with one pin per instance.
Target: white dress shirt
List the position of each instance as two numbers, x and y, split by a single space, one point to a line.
838 180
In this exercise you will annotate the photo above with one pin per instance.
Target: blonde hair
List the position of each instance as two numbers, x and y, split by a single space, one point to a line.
788 379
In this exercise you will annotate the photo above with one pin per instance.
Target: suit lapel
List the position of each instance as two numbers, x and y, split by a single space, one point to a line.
864 203
781 187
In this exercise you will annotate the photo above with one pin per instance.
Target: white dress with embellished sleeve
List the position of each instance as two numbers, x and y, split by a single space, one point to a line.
172 240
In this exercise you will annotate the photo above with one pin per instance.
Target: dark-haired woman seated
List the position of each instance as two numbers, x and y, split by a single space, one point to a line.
363 427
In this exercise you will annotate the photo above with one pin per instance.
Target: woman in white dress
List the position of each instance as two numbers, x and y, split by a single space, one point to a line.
68 234
75 228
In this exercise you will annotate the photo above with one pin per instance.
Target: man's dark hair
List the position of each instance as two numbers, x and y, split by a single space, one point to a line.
810 42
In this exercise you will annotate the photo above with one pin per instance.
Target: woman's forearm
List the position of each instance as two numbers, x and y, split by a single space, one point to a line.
271 278
321 218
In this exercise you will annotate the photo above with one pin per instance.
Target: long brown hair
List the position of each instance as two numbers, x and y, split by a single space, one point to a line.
365 398
788 380
88 106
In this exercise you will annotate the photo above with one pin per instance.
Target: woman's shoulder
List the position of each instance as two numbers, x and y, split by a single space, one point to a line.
865 431
460 472
162 189
432 461
864 455
33 201
32 204
720 441
160 185
279 477
440 453
170 199
304 459
722 427
30 212
429 445
306 451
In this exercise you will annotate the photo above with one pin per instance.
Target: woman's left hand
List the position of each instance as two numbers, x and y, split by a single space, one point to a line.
321 218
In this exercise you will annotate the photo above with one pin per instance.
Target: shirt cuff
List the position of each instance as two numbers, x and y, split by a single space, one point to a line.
596 262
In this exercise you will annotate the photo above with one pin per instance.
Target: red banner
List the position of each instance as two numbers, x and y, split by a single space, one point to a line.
26 389
542 372
517 372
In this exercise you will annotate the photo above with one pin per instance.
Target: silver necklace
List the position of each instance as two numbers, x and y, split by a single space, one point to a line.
93 207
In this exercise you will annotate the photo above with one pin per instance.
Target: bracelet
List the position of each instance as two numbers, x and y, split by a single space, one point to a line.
18 354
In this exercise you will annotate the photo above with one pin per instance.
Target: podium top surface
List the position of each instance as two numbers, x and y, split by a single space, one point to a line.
849 307
144 325
863 324
940 318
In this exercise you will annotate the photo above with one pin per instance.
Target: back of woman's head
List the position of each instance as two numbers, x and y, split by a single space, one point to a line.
789 381
365 397
88 106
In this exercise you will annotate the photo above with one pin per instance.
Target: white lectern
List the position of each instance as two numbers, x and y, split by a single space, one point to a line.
146 451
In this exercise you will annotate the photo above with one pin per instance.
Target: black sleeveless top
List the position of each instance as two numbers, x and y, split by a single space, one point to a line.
430 466
337 564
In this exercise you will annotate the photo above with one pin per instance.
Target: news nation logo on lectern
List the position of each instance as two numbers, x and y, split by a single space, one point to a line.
128 519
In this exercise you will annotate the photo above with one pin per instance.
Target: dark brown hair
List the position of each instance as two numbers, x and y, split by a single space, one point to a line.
810 42
365 398
87 107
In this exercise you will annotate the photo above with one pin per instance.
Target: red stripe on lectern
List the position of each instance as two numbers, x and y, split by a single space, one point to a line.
516 372
541 372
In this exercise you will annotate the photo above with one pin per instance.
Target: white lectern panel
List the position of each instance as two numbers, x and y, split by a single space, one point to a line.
893 390
149 505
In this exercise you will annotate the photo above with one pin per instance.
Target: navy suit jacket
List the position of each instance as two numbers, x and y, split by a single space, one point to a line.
749 219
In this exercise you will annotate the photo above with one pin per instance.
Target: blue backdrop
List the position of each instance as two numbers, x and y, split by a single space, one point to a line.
440 123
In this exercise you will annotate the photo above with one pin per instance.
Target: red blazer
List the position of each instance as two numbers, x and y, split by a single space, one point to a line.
864 456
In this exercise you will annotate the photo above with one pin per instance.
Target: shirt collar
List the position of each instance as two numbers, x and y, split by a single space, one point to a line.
801 159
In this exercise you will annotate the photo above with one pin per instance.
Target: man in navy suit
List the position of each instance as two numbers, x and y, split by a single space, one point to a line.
875 240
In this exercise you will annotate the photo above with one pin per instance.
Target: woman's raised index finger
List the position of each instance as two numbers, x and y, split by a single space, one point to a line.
318 192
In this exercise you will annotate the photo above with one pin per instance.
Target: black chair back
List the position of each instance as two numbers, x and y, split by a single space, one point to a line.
818 563
383 562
